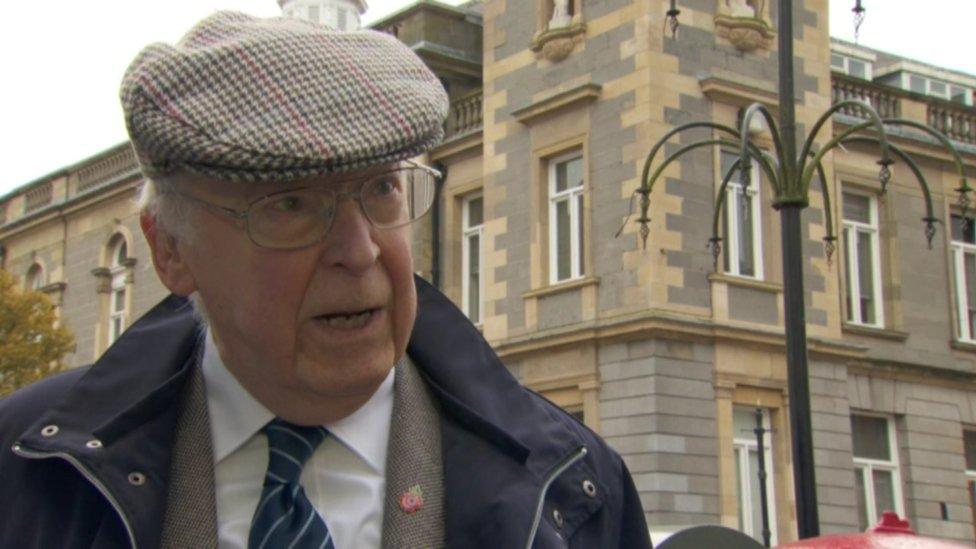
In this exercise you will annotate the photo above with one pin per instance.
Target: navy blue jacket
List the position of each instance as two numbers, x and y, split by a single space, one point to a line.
500 444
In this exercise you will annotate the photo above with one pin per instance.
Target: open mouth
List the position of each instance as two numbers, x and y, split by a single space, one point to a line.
347 321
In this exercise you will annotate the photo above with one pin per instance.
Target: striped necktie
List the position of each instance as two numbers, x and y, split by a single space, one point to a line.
285 518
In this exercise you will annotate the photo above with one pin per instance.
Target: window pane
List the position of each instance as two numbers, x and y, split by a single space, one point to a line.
870 436
857 68
475 212
754 496
937 88
743 502
743 423
857 207
963 232
969 265
960 95
836 61
916 84
474 277
884 491
849 276
969 443
569 174
865 271
563 259
579 228
118 300
862 505
313 14
747 261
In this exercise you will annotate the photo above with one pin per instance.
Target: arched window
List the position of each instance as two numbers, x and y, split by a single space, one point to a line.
117 294
35 277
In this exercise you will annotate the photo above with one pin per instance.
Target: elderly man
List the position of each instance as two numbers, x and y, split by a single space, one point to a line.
311 392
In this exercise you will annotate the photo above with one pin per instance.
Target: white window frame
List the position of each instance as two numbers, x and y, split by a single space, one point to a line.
960 249
869 465
971 483
846 69
574 196
733 222
873 231
744 445
469 231
906 84
118 272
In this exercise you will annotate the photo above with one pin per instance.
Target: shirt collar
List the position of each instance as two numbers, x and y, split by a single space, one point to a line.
236 416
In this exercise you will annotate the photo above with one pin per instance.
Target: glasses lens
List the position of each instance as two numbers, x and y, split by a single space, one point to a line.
398 197
291 219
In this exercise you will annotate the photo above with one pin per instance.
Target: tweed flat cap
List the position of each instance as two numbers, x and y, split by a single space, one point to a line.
247 99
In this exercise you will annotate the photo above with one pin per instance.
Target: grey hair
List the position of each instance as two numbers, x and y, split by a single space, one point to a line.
160 199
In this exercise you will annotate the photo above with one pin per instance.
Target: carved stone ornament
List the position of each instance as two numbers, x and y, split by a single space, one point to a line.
743 23
556 44
745 33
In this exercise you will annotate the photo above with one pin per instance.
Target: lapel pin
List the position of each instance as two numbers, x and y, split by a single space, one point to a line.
412 500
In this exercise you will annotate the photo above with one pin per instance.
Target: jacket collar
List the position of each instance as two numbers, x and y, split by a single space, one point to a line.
125 402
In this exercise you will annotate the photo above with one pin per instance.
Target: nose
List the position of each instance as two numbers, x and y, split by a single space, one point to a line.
350 243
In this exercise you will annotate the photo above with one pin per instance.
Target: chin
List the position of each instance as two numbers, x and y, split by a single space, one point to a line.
358 377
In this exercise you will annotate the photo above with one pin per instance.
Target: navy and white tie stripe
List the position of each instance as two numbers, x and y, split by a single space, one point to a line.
285 518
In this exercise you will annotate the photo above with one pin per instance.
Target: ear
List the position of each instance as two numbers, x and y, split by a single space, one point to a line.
167 258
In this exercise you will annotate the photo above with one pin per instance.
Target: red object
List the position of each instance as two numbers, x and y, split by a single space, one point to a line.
892 532
412 500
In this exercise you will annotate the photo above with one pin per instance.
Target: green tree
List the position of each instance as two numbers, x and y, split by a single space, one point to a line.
32 345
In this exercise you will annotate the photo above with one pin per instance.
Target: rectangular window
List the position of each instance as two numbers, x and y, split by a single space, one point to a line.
964 263
969 447
566 217
313 14
748 483
876 477
858 68
863 258
743 230
116 321
472 222
917 83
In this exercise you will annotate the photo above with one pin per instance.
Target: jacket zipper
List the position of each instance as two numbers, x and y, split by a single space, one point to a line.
89 476
560 468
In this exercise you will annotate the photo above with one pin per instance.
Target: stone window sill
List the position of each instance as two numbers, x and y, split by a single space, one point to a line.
870 331
755 284
963 345
561 287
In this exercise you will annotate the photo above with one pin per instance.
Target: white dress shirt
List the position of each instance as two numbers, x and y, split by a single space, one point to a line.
345 479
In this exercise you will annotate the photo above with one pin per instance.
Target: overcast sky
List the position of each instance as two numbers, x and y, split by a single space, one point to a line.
62 61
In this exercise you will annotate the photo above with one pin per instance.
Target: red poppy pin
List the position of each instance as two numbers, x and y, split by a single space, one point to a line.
412 500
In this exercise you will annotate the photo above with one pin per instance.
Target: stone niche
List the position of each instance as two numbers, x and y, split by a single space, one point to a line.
744 23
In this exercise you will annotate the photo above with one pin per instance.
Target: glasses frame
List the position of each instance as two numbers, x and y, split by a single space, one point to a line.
241 217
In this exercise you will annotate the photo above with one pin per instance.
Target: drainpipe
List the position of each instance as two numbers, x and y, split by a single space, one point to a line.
435 228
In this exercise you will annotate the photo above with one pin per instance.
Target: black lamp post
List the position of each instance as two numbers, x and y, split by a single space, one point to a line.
790 175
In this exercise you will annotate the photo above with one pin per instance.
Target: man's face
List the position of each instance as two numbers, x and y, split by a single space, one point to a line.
328 320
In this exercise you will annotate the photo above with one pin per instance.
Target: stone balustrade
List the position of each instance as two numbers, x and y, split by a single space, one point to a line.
465 114
882 98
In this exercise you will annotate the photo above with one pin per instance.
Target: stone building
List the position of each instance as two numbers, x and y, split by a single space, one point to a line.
664 350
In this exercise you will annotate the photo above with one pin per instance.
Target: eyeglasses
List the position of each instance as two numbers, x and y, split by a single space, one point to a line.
297 218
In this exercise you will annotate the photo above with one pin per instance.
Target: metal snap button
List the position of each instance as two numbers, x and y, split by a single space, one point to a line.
557 517
49 431
589 488
136 478
93 443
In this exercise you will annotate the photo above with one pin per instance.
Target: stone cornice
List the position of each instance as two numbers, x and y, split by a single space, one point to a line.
573 97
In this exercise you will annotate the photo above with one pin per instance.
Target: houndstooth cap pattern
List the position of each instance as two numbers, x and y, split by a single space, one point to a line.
247 99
